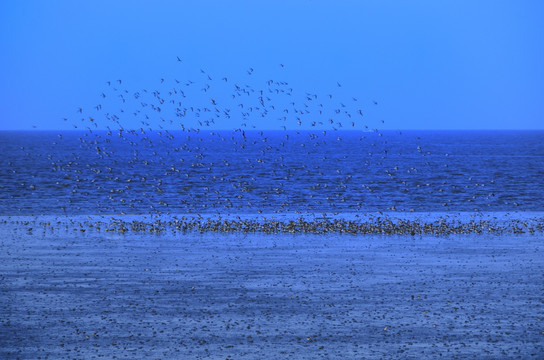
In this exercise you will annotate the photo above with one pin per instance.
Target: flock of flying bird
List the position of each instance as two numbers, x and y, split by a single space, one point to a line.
162 150
144 123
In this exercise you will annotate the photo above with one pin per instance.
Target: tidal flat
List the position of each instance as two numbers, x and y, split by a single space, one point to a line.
81 295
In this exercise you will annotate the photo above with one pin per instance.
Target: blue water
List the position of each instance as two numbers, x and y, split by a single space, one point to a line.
224 172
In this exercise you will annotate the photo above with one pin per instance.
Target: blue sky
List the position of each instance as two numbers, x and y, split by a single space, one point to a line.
429 64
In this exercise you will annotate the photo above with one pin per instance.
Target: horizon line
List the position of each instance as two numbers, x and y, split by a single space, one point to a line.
268 129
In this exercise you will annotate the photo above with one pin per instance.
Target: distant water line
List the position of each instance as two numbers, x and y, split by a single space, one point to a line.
276 172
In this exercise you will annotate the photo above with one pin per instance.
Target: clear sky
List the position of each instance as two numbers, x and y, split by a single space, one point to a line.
449 64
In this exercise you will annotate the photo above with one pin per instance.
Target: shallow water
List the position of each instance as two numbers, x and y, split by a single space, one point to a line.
72 294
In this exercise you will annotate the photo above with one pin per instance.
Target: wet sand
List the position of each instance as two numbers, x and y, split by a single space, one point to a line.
83 295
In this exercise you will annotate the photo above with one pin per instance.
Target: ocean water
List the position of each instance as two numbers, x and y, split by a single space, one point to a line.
146 244
270 172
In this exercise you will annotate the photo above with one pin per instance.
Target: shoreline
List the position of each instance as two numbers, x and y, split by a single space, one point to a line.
345 223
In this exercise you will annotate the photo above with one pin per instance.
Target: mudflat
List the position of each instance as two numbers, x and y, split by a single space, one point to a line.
85 295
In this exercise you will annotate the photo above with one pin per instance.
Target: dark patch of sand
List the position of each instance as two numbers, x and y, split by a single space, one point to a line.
172 296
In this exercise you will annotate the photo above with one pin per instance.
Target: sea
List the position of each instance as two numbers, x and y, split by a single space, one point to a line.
140 244
269 172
